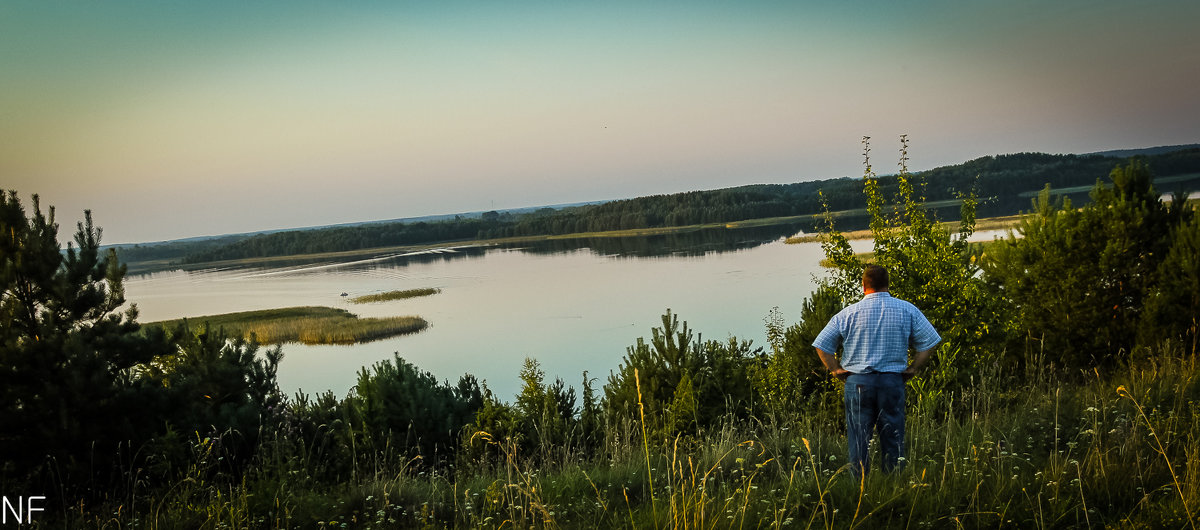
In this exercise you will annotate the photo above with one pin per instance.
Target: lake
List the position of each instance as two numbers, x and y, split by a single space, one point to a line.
573 305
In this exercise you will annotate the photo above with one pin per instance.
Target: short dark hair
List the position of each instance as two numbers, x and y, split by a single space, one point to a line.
875 277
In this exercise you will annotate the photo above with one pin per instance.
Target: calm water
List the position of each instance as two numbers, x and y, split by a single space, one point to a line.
572 306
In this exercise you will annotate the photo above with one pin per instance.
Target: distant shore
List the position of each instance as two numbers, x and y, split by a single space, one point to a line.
992 223
988 223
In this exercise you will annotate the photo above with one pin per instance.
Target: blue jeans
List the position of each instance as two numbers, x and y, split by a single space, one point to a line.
874 400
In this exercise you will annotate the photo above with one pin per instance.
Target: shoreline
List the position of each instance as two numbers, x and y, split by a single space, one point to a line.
989 223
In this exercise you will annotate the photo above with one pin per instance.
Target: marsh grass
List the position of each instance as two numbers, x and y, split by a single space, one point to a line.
394 295
307 325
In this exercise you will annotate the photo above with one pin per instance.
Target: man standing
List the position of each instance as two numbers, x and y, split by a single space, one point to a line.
875 334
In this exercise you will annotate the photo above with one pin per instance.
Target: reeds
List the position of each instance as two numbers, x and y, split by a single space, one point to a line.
307 325
394 295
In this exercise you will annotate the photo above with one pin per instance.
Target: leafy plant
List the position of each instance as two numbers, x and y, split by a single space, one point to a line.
792 379
929 266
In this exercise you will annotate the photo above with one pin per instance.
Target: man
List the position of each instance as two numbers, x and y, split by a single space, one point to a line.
875 334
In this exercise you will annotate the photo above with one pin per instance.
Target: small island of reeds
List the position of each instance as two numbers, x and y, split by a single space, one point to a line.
394 295
307 325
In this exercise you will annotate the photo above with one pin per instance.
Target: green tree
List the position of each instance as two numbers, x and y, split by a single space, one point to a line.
546 412
657 368
685 383
1173 305
1079 279
396 407
213 387
68 354
591 417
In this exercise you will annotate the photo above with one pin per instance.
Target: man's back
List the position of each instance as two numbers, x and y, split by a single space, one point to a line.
876 333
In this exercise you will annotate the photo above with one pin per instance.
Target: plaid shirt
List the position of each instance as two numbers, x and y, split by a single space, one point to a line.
876 332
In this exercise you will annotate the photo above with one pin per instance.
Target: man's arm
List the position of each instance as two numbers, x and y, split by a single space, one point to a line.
918 363
831 363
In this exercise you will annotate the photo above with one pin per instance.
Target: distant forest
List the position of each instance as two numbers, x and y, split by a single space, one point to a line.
1004 185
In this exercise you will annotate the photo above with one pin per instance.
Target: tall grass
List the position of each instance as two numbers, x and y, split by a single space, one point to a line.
394 295
1109 450
307 325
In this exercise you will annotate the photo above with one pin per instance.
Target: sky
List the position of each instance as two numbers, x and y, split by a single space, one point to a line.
171 119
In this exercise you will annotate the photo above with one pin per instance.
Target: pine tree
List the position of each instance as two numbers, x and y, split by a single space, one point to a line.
1080 279
68 355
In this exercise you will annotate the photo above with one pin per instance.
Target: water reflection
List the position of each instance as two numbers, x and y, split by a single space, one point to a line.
424 257
684 243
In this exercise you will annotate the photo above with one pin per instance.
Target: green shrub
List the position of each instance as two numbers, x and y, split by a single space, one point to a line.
397 409
681 382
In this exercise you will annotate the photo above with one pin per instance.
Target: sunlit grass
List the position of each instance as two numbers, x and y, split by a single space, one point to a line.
307 325
394 295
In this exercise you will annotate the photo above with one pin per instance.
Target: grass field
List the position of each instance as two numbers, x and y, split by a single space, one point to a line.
307 325
1116 449
394 295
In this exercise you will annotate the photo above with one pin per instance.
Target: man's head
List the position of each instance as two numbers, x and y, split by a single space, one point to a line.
875 279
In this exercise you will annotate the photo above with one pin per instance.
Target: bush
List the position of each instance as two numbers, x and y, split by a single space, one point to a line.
681 383
396 407
1090 284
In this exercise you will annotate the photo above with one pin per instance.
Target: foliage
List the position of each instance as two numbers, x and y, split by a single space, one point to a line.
685 383
213 388
138 427
67 353
1080 279
546 413
395 407
793 379
1115 451
935 270
542 425
145 257
1173 305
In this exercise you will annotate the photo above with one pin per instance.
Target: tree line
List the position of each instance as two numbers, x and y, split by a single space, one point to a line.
997 180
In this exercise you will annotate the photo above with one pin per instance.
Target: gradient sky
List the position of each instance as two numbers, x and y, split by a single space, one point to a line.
174 118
